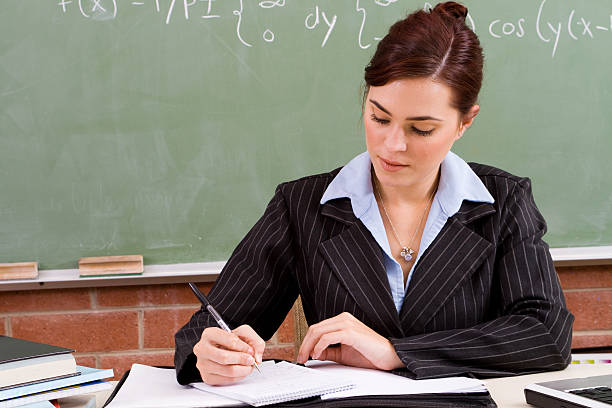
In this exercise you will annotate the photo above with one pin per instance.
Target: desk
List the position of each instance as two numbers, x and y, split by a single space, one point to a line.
507 391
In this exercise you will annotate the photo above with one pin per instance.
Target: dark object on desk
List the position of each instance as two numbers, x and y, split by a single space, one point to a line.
449 400
589 392
23 361
589 350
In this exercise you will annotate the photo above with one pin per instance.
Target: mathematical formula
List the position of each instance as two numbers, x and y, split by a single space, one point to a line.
573 27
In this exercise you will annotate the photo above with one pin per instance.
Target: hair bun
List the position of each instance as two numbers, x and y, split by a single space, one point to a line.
452 10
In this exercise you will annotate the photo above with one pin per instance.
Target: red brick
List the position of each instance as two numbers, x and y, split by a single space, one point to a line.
161 324
584 277
286 331
3 323
120 363
152 295
87 361
45 300
591 309
591 340
280 353
84 332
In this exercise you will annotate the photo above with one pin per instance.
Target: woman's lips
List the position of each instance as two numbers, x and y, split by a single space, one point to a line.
390 165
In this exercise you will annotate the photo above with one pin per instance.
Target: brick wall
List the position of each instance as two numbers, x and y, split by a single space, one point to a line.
117 326
588 292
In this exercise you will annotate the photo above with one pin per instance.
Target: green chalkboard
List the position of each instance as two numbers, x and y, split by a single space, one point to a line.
162 127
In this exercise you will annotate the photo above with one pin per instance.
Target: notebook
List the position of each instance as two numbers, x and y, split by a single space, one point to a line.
279 382
85 388
86 374
588 392
23 361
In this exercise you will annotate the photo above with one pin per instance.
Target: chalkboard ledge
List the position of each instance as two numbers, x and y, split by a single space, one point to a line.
582 256
208 272
152 275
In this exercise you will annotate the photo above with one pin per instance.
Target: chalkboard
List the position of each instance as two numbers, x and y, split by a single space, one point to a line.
162 127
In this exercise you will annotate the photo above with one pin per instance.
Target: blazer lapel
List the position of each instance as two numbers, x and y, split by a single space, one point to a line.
339 210
451 258
357 261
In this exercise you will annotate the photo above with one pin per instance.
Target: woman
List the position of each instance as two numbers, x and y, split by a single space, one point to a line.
407 259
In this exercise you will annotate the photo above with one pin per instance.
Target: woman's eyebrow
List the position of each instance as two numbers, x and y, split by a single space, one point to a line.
424 118
418 118
379 106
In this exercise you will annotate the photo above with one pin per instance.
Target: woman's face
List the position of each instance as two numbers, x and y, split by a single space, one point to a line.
410 126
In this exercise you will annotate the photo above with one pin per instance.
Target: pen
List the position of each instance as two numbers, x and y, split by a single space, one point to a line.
213 312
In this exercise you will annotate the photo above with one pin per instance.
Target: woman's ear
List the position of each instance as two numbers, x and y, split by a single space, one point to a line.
468 119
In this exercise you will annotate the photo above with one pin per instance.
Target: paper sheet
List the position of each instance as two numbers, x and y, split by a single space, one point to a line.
150 387
376 382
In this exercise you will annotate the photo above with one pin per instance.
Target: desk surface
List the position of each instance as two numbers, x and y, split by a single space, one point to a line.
507 392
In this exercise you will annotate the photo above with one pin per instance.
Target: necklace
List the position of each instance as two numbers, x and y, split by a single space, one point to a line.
406 252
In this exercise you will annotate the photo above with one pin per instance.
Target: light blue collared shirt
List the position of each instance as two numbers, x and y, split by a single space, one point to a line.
457 183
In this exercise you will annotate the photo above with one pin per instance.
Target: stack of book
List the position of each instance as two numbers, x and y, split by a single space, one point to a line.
31 373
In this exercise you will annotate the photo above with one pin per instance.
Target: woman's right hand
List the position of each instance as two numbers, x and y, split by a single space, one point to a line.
223 358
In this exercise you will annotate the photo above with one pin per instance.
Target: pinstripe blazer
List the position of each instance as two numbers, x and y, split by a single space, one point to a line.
484 299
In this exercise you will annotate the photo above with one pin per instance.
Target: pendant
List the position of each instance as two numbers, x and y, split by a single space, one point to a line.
407 254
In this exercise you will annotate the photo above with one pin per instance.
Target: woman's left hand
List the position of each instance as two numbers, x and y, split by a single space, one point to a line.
358 345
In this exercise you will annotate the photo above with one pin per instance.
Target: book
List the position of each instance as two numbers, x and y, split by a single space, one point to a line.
85 388
24 361
86 374
279 382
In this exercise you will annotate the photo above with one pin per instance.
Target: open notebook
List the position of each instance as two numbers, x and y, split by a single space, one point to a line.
279 382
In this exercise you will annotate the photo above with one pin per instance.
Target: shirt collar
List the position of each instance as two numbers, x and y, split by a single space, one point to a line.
458 182
353 182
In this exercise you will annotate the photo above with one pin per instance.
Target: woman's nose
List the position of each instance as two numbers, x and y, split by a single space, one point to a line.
395 140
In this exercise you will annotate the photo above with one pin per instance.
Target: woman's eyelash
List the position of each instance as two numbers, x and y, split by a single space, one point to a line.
379 120
415 130
422 132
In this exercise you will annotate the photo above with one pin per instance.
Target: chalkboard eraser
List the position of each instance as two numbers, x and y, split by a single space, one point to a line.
19 270
111 265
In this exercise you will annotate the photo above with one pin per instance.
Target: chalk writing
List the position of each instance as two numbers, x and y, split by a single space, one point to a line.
209 10
268 35
272 3
63 4
552 32
363 20
507 28
238 13
312 21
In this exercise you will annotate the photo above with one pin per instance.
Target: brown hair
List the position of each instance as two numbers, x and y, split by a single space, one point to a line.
434 44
